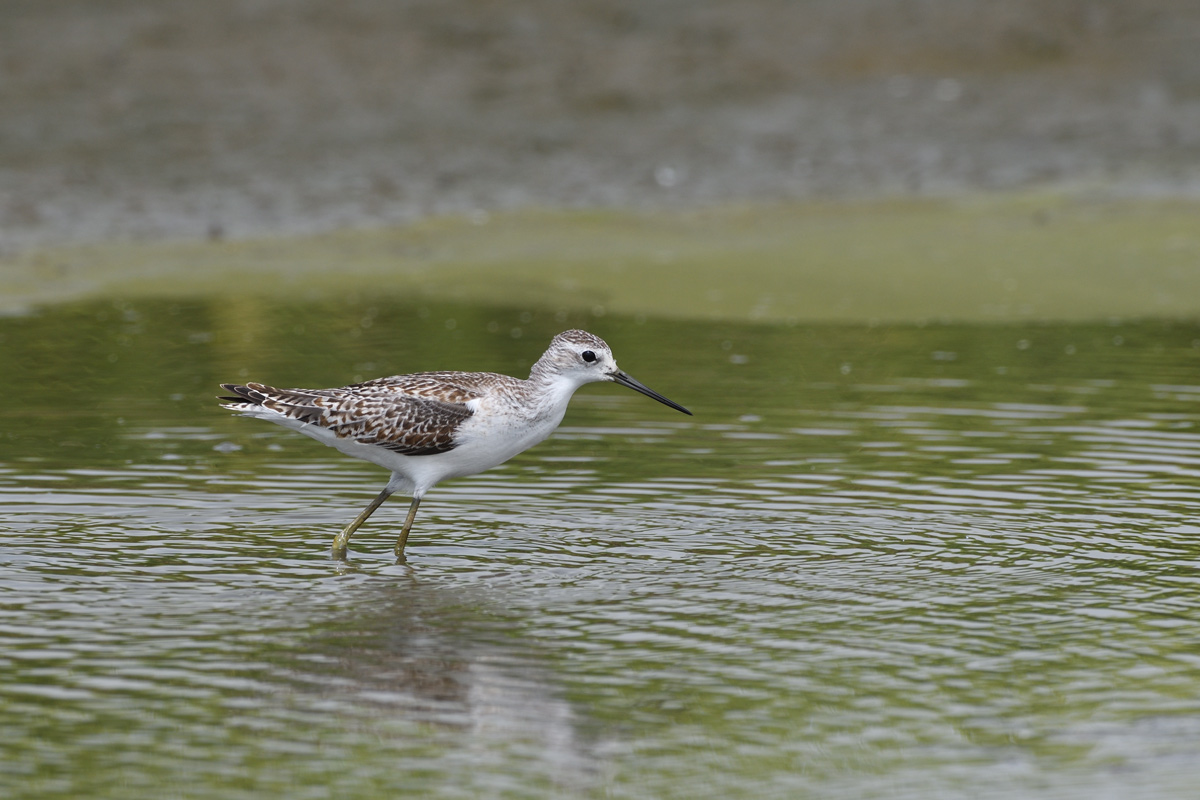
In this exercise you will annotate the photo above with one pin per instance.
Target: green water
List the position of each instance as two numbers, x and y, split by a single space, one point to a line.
901 562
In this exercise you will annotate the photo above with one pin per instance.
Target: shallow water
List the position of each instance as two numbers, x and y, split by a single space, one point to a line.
907 562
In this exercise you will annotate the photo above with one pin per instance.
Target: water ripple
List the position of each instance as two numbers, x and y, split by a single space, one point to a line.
964 591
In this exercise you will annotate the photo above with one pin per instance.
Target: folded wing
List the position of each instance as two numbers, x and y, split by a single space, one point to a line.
375 413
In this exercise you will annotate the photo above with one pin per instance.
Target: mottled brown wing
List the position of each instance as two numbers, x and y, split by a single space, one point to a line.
376 415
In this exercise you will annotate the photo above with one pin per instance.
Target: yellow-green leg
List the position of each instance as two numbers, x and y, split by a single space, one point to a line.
408 521
343 538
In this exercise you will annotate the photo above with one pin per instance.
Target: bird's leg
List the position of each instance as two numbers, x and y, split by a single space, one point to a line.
343 538
408 521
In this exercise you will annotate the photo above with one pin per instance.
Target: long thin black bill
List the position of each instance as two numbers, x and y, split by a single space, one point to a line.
625 380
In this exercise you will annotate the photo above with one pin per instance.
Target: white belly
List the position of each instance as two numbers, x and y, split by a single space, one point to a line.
482 442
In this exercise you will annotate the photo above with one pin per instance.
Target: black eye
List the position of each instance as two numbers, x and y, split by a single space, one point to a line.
588 356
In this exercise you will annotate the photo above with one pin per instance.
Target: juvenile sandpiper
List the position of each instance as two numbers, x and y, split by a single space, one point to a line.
430 426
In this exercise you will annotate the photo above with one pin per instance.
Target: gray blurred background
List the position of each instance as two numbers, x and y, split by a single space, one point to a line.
131 118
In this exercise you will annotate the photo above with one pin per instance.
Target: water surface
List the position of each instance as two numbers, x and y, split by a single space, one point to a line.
903 562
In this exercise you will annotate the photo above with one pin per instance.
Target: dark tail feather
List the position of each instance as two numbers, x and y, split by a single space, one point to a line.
245 394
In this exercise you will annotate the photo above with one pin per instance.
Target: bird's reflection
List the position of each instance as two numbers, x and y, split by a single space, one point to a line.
446 656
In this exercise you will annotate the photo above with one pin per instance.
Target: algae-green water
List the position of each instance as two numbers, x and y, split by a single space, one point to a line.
880 561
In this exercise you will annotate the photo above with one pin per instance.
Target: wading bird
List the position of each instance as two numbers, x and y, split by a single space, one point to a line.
430 426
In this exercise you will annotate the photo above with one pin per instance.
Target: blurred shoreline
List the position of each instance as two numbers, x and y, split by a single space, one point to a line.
1010 259
247 118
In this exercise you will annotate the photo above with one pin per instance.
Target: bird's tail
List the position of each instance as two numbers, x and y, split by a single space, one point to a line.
261 400
250 395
